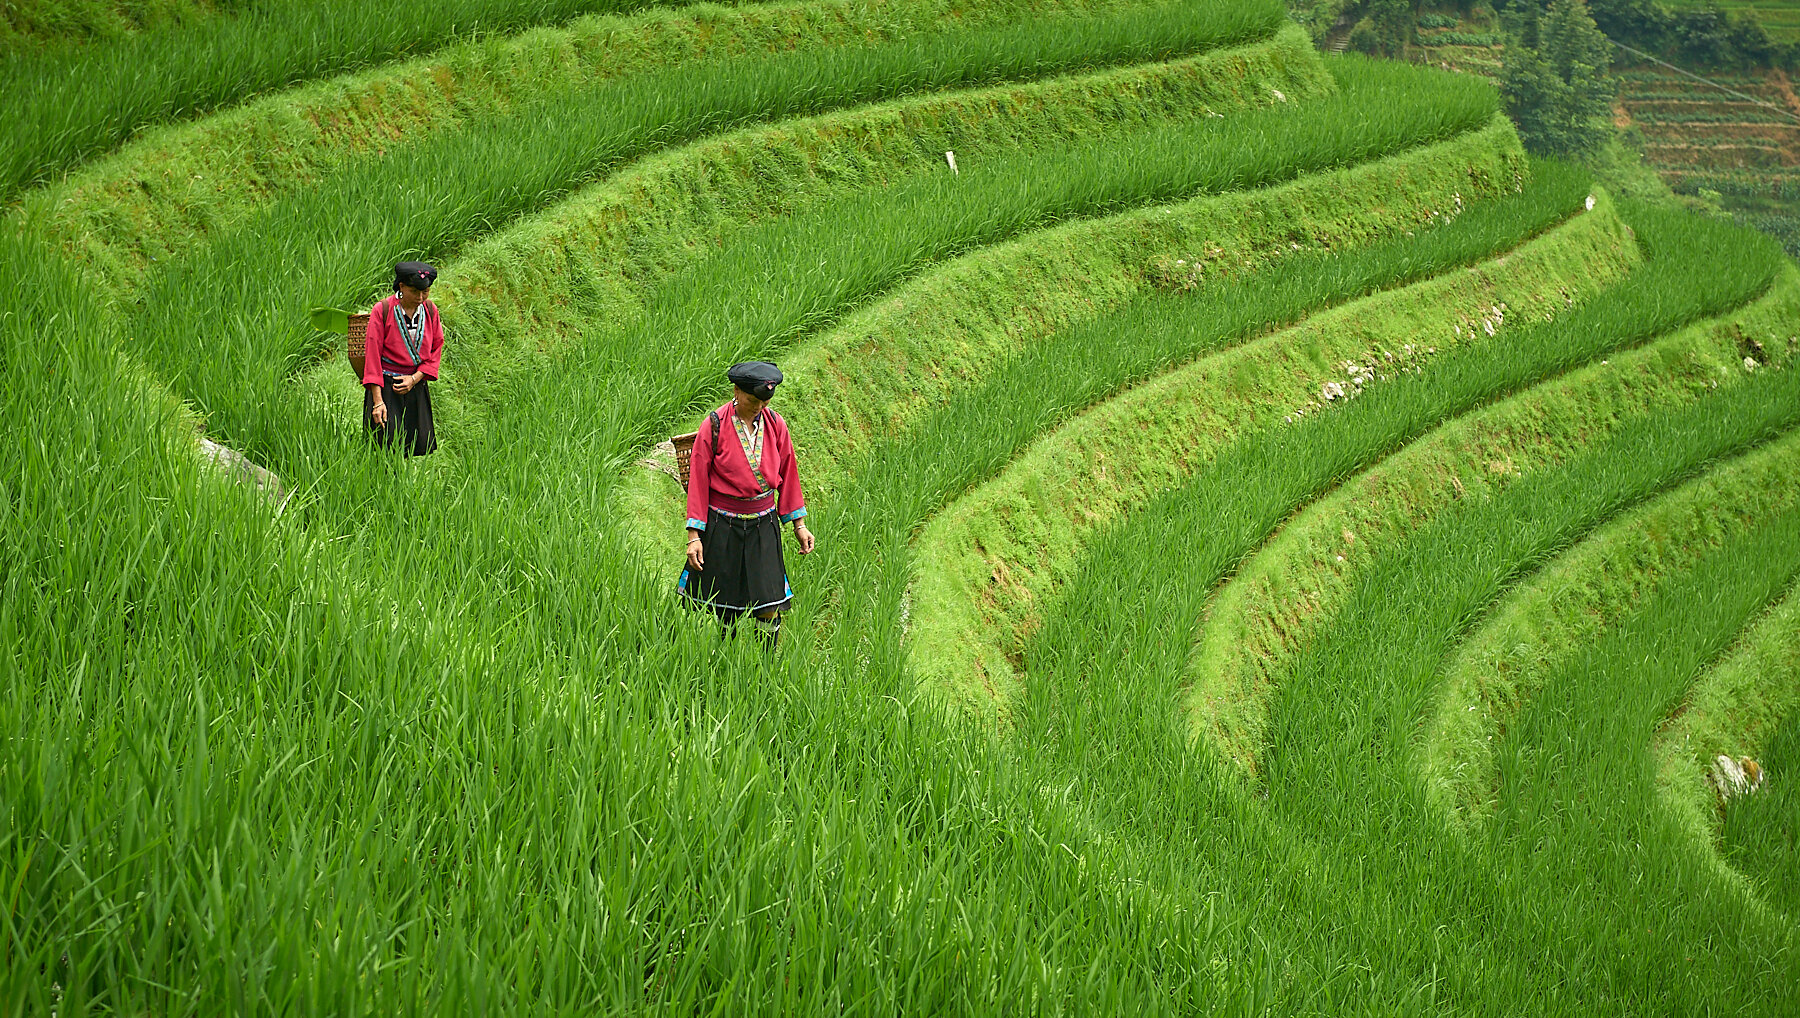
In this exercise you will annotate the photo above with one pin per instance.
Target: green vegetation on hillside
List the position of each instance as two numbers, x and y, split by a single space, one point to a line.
434 737
66 104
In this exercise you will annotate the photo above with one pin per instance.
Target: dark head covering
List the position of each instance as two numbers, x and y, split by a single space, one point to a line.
417 275
758 378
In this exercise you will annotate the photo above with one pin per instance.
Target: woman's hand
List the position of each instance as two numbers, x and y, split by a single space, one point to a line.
379 414
804 536
404 385
696 553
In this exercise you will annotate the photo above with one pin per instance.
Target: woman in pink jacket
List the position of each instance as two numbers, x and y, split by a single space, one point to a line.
743 483
401 351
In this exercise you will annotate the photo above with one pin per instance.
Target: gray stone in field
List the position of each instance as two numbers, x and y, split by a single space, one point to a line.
237 466
1732 778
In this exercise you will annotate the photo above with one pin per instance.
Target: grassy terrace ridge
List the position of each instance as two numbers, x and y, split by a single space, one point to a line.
906 356
707 316
1579 741
1007 308
594 260
69 102
436 738
989 564
170 189
974 313
1551 618
1278 601
1129 603
434 198
1735 708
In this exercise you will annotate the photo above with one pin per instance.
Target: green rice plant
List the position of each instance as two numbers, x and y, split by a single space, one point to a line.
989 566
1259 621
247 781
1736 708
431 198
807 270
864 383
1547 620
597 257
1759 835
860 389
1577 770
1338 762
23 22
69 103
1129 603
167 191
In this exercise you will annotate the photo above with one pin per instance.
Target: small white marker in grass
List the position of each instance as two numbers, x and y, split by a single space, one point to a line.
950 157
1590 203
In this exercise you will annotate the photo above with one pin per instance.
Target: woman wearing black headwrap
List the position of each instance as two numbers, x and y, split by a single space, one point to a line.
401 352
743 483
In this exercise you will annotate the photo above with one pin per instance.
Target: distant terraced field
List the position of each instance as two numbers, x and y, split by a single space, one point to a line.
1739 139
1282 549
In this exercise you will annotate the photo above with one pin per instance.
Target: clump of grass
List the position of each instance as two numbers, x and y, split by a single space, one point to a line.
432 198
1294 587
948 339
169 190
990 566
616 244
1735 709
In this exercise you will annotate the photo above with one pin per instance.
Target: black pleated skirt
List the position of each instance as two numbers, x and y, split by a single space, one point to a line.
409 418
743 570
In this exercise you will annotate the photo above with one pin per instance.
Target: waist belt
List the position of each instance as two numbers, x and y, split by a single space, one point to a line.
731 506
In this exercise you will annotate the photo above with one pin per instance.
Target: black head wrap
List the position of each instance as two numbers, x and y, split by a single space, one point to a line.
758 378
417 275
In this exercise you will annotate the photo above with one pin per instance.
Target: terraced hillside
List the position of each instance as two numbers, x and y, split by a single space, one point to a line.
1780 17
1282 549
1741 142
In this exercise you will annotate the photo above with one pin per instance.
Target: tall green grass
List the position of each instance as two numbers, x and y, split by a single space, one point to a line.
1294 586
71 105
171 189
66 104
803 272
1761 835
209 329
431 742
992 563
1159 593
1337 769
807 269
615 246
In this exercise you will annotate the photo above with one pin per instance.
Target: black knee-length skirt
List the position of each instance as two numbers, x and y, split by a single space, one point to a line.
409 417
743 570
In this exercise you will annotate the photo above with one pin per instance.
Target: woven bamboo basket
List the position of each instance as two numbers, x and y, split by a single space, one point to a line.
684 455
356 335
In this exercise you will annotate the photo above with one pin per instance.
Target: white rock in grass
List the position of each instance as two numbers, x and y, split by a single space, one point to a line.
1732 778
1277 93
237 466
1750 364
1590 203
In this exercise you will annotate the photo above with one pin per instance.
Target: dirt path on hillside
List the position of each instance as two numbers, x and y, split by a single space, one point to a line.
1785 89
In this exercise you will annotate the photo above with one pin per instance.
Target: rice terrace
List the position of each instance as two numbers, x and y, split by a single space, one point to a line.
1282 548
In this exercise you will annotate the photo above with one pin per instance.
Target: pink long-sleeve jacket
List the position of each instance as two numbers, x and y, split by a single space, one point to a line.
384 349
721 478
